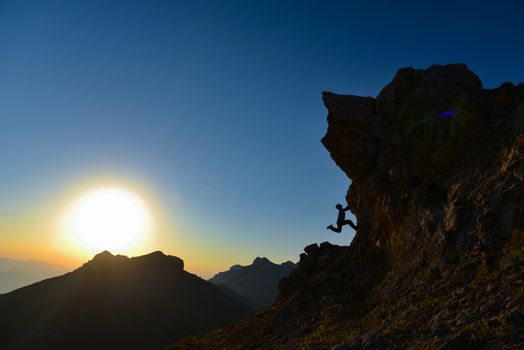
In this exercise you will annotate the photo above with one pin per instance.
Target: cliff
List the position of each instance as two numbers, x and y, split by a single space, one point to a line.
436 164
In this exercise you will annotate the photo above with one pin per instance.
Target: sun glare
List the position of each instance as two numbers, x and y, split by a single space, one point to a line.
109 218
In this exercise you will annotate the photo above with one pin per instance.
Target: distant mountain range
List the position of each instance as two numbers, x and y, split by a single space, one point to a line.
257 283
115 302
18 273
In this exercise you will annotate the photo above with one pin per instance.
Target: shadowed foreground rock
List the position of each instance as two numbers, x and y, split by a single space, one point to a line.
437 171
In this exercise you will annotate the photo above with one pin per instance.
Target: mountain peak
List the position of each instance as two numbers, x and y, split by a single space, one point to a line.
153 260
158 259
103 255
262 261
153 255
105 259
235 267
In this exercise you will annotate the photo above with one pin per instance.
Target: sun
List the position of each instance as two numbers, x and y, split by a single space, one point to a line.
109 218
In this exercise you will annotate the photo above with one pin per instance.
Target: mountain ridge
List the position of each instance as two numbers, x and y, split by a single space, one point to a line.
257 282
132 303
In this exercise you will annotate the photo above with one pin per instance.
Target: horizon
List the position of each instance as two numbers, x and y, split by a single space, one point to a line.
205 277
208 115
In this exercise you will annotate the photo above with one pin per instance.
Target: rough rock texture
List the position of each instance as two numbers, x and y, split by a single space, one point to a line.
437 170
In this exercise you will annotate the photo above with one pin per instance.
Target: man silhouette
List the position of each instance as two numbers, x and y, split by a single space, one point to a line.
341 220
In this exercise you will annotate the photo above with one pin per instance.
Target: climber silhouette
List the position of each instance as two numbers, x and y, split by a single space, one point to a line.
341 220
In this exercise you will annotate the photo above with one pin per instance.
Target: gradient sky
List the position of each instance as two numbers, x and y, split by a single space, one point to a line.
211 109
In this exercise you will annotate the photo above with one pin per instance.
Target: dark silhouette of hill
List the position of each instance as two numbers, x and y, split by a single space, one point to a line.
114 302
436 164
257 282
18 273
239 297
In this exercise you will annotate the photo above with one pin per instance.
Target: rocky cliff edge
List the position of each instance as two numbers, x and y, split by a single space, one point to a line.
436 164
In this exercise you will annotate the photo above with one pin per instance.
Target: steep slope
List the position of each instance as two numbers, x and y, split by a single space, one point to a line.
18 273
114 302
437 169
257 282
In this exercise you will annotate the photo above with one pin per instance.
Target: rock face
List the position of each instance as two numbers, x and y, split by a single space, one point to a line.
258 282
437 169
115 302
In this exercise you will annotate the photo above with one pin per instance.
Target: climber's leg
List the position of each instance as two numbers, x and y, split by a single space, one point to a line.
350 223
337 229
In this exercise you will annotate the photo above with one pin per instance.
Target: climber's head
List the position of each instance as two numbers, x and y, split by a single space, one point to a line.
339 206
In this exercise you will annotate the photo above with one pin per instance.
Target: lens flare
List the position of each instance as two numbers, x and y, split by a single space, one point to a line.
447 114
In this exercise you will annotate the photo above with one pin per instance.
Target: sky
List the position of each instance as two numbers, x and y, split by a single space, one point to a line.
210 111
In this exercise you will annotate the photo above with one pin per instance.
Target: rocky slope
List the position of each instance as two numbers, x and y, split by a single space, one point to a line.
257 282
114 302
437 169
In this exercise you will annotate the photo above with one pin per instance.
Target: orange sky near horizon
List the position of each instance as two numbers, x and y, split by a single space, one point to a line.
35 234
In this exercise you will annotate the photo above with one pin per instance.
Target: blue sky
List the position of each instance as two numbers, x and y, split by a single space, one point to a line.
215 106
